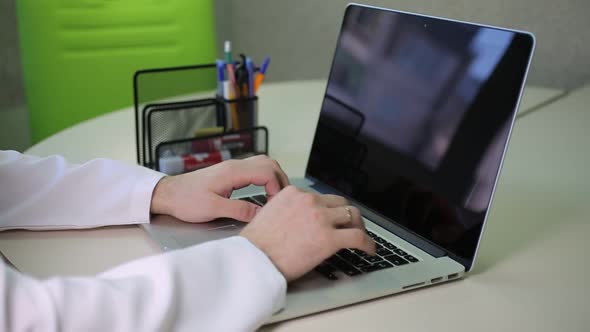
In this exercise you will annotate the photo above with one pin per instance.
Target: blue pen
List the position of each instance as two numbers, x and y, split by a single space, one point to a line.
250 69
265 63
261 74
220 76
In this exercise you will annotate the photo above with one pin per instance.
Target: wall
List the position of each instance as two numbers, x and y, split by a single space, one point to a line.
300 36
14 128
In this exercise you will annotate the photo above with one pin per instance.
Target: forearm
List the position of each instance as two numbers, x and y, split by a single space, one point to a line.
226 285
50 193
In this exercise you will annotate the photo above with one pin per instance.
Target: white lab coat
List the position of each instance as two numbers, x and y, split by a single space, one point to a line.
225 285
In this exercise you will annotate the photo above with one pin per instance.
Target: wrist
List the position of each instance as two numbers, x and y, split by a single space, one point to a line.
263 249
162 196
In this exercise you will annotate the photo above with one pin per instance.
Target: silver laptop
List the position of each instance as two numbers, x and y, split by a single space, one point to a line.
413 128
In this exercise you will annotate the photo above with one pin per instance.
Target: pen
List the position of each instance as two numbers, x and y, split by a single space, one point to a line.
220 76
251 108
250 69
230 66
234 112
242 77
232 121
261 74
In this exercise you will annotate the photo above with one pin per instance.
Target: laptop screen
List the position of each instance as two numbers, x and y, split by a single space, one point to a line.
415 120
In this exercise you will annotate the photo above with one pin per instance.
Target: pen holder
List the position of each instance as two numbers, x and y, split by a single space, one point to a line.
181 104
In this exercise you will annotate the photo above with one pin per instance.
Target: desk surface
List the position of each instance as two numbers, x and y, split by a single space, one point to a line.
289 109
530 274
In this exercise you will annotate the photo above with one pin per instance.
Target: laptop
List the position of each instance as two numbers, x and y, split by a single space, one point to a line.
412 130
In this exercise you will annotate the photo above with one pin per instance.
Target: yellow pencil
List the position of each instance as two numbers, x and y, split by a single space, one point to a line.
234 111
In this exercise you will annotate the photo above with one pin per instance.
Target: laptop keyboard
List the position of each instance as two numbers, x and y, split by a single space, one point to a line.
353 262
258 199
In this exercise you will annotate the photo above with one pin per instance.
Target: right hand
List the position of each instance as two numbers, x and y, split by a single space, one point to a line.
298 230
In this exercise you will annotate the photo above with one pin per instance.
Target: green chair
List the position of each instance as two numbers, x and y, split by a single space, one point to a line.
79 56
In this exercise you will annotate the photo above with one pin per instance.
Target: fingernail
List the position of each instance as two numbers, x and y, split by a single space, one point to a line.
257 209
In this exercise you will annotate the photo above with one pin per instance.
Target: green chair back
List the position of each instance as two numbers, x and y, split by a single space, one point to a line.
79 56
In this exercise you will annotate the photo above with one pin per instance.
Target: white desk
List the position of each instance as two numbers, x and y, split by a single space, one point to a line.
527 278
535 96
533 270
289 109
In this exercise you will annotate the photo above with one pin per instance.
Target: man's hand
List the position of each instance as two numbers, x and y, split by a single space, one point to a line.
203 195
298 230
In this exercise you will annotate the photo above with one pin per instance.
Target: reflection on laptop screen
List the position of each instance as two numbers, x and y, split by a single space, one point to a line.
415 119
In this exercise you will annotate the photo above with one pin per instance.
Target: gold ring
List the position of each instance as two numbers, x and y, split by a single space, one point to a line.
349 212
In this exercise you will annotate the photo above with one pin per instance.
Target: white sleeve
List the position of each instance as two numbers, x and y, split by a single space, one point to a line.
49 193
224 285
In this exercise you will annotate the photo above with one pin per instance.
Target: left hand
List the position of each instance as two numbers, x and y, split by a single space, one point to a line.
203 195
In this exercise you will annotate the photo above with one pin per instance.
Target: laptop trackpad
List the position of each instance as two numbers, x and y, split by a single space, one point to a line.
216 231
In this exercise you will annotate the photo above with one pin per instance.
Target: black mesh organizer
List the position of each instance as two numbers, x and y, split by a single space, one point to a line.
182 124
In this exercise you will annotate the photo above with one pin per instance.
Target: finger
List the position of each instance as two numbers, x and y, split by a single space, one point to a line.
234 208
281 175
284 179
332 201
355 238
265 160
245 174
345 216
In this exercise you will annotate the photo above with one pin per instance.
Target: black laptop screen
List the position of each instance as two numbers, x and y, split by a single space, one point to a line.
415 119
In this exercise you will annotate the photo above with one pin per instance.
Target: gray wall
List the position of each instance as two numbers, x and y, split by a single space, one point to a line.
300 36
14 127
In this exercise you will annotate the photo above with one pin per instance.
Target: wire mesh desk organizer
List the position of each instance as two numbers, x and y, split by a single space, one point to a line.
189 117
